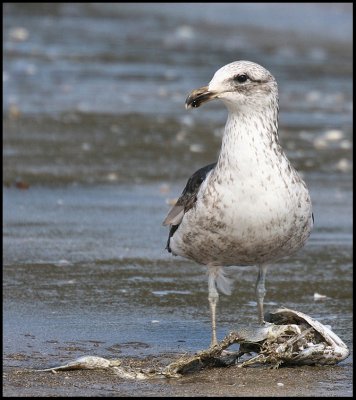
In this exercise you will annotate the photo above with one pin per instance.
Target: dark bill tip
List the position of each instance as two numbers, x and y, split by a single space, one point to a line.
199 96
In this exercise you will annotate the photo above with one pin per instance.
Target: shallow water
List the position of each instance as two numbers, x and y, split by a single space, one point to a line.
95 126
89 98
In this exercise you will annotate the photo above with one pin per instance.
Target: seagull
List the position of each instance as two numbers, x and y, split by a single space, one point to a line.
251 207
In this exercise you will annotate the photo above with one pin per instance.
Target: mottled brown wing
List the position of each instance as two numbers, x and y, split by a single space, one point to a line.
186 201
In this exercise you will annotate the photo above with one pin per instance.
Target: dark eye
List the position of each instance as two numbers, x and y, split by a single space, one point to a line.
241 78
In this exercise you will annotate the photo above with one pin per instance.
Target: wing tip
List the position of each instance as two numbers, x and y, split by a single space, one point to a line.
174 216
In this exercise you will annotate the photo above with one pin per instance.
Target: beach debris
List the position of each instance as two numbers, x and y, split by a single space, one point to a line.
14 111
85 362
318 296
112 176
344 165
327 138
94 362
19 184
18 34
295 338
288 337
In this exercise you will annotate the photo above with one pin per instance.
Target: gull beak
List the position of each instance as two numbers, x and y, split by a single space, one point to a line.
199 96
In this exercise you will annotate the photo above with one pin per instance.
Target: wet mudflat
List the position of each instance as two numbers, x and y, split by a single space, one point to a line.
78 283
236 382
97 143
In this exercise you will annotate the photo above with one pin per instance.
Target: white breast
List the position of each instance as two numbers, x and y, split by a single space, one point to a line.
253 207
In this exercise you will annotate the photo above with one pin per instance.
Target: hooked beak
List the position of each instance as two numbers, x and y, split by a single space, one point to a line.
199 96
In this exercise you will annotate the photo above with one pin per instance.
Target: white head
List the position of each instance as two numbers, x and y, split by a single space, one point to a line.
238 84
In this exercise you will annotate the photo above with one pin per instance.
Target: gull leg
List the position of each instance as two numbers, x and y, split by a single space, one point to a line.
261 291
213 301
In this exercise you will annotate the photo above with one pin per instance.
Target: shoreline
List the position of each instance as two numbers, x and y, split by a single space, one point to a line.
258 381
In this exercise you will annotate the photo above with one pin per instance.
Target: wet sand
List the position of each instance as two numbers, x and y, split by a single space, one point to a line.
97 142
76 282
233 381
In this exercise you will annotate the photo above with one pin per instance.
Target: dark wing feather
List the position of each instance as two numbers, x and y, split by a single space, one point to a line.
186 201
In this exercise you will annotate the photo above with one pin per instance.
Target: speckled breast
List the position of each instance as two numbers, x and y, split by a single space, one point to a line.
236 229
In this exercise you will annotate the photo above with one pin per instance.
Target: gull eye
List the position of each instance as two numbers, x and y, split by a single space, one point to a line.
241 78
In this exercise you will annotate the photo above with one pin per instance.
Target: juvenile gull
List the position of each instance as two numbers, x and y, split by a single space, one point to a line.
250 207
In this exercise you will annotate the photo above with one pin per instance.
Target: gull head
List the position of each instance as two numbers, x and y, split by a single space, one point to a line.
239 84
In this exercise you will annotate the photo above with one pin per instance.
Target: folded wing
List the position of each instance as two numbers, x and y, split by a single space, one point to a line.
186 201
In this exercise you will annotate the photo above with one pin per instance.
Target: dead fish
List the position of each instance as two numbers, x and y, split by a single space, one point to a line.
94 362
292 337
85 362
288 337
